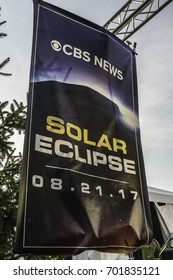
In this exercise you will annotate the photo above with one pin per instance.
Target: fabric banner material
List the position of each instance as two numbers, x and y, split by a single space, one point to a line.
83 182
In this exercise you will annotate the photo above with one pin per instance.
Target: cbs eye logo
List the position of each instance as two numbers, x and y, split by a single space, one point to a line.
56 45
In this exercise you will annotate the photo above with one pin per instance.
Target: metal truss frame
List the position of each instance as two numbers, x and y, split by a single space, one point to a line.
133 15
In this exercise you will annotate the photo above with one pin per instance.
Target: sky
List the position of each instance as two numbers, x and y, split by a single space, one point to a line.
154 71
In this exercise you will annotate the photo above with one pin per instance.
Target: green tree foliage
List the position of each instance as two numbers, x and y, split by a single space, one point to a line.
10 165
12 120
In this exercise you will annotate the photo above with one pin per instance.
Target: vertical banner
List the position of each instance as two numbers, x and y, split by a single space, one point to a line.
83 184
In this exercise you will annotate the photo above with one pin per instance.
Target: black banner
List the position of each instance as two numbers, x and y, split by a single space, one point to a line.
83 184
